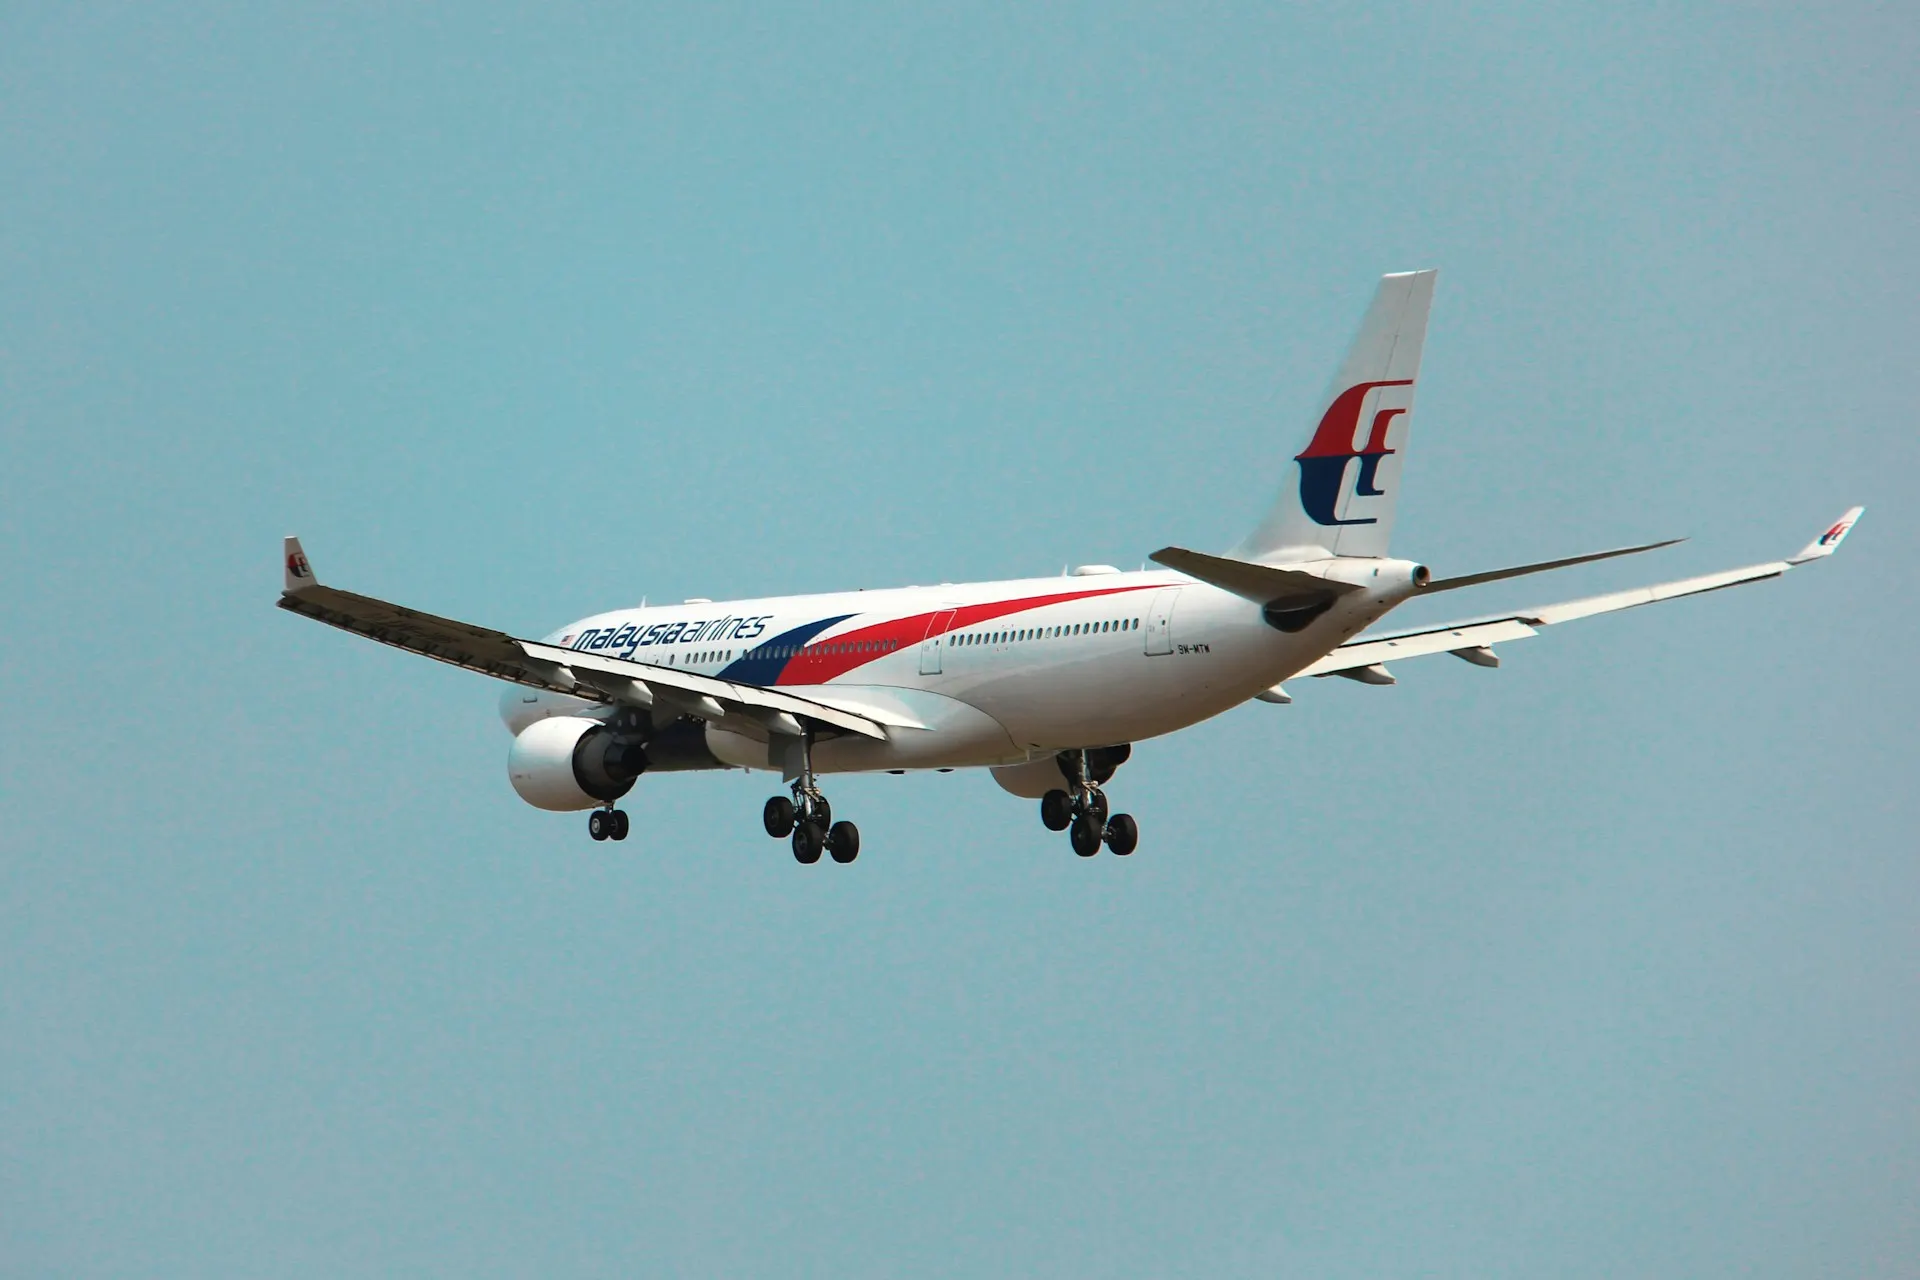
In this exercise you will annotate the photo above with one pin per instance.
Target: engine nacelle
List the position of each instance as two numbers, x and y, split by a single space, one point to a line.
570 762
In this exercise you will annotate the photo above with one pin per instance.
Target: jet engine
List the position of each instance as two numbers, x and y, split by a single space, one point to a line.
570 762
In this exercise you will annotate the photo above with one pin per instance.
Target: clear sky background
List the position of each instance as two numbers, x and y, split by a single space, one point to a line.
1603 964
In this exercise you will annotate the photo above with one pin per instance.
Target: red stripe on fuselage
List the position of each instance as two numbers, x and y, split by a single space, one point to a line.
826 659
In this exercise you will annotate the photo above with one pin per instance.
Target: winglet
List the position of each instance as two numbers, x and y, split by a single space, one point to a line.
1829 542
299 573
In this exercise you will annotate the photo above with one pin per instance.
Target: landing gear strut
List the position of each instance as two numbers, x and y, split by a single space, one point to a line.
807 819
1082 810
607 824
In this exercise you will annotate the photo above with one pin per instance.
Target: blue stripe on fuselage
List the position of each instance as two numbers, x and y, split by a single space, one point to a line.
765 661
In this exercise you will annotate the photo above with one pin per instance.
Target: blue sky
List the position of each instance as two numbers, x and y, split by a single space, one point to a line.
1601 964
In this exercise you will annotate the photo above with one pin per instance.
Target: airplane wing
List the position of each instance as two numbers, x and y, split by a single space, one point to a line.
1364 657
544 666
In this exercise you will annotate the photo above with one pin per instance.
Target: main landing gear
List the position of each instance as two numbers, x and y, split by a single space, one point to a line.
608 824
808 819
1081 811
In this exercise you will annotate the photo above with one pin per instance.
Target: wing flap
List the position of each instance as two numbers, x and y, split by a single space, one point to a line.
692 685
1548 615
1361 652
1482 633
462 644
544 666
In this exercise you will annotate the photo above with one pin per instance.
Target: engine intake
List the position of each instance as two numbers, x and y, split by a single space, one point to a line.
570 762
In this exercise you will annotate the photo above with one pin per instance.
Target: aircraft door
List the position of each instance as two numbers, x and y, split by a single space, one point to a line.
935 641
1160 621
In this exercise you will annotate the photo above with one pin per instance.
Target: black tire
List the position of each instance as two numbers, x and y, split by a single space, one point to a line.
619 831
597 824
843 842
1123 834
822 813
808 840
1086 836
778 817
1056 810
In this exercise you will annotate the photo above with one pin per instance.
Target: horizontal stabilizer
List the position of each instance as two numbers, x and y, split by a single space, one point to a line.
1521 571
1259 583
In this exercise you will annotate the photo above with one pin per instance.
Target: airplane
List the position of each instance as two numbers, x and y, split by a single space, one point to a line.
1045 682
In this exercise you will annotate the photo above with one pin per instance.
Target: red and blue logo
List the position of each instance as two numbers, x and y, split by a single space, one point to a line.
1324 462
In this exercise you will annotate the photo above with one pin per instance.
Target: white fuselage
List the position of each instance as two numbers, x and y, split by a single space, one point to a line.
985 673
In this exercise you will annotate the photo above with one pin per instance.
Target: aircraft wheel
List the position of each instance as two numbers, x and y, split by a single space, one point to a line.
843 842
821 812
619 825
599 826
1123 834
1086 836
808 840
778 817
1056 810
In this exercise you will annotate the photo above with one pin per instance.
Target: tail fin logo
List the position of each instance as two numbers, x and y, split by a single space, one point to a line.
298 567
1323 463
1834 534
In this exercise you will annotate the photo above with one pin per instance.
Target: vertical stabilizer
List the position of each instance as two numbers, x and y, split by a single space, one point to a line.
1339 492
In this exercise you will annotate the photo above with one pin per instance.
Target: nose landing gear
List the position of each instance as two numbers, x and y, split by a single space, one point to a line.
607 824
1082 811
808 819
